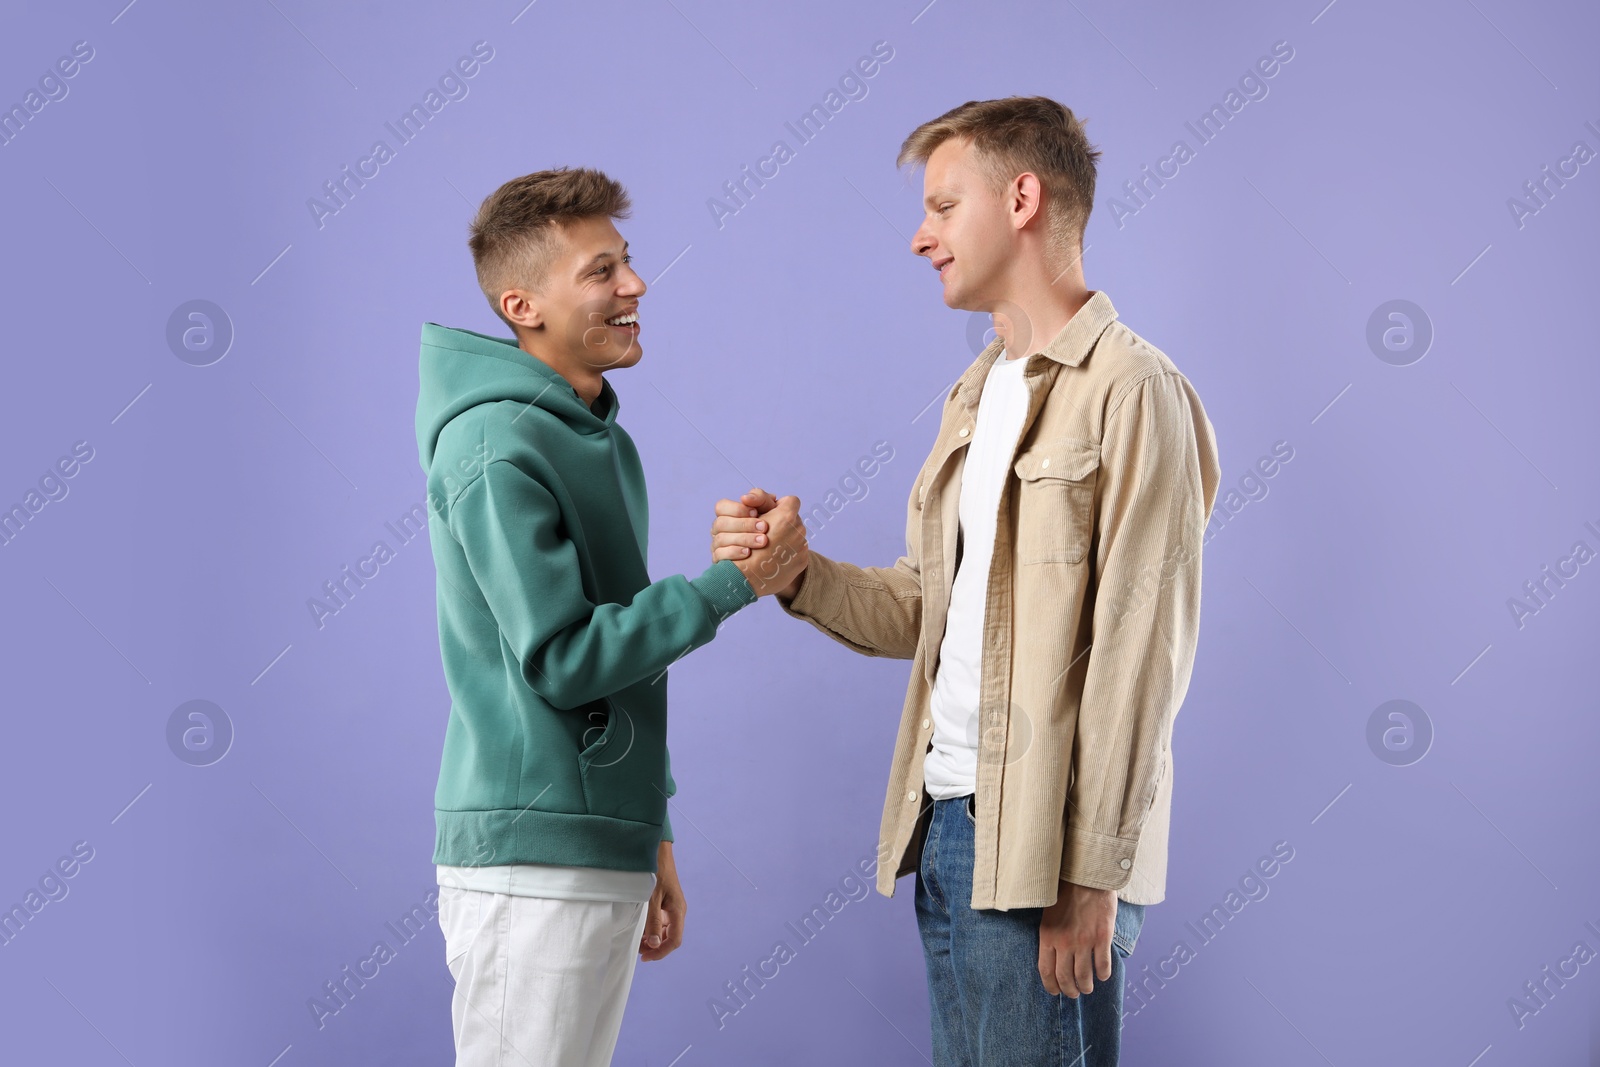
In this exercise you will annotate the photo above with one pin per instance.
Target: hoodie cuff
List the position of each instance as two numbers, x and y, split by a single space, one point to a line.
724 586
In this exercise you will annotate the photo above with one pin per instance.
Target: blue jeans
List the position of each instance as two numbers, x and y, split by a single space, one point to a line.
990 1008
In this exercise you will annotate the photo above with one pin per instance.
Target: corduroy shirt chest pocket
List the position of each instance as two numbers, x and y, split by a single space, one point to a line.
1055 511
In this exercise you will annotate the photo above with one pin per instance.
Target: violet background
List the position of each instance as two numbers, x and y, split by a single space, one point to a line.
779 347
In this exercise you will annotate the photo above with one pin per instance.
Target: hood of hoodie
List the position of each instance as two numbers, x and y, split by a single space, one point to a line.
460 369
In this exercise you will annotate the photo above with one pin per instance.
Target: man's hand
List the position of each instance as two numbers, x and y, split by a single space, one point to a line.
1075 939
765 538
663 928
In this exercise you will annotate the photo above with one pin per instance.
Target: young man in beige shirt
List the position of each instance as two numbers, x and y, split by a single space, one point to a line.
1049 600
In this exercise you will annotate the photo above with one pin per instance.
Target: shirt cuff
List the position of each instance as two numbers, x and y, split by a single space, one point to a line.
1097 860
812 600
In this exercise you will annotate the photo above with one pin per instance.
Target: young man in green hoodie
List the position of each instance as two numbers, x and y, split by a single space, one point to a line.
554 850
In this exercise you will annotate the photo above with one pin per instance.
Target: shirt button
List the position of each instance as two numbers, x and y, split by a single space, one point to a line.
1125 864
963 432
912 796
924 724
1045 462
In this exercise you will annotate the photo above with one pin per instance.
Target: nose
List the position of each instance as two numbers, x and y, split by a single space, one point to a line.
922 242
631 285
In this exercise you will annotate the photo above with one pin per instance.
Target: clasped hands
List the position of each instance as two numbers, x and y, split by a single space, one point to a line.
765 538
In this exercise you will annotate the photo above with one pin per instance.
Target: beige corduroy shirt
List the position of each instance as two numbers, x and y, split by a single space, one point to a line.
1093 611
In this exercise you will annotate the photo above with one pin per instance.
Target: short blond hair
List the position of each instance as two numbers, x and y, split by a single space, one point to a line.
512 238
1017 134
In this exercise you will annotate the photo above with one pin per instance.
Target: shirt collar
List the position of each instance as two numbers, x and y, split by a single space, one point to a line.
1070 346
1078 336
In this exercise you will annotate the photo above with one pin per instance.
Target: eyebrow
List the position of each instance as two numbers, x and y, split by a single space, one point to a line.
937 195
607 254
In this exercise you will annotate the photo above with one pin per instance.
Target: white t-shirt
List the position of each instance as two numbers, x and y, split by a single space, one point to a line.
552 881
950 768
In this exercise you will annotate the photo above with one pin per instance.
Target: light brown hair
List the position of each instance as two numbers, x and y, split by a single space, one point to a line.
513 236
1017 134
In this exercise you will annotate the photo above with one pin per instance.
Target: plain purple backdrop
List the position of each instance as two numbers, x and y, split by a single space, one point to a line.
782 341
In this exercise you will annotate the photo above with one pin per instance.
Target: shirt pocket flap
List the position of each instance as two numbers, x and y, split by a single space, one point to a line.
1068 458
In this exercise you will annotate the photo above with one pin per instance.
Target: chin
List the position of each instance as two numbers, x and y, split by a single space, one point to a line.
604 362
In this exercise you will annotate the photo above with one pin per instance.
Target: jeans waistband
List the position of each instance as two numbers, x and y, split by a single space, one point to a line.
969 801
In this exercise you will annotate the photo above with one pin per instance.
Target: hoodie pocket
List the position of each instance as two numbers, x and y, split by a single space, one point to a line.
623 763
597 739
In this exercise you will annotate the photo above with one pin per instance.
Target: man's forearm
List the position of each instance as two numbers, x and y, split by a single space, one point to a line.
876 611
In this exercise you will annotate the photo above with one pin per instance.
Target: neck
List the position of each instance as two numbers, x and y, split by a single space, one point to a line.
586 381
1032 309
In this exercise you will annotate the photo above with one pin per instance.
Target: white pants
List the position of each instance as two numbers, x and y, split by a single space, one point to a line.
539 982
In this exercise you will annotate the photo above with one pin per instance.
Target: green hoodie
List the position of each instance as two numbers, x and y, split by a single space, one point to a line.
554 640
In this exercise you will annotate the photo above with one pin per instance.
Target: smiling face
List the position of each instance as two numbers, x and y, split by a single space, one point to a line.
584 318
965 231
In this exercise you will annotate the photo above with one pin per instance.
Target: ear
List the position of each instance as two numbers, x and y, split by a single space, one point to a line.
1025 198
520 307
